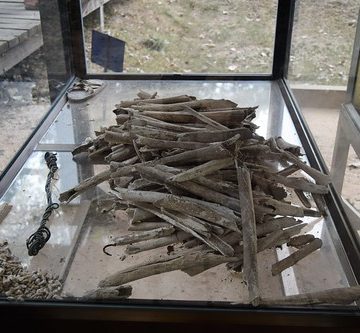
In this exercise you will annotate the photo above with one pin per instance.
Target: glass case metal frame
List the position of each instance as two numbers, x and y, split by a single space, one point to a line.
188 313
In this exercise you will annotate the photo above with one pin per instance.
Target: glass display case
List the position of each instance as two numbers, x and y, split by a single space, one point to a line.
190 197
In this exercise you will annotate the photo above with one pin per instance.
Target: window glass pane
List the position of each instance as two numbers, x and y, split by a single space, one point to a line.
322 42
186 36
33 69
321 52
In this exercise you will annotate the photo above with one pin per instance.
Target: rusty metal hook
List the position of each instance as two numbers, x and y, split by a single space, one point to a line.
104 249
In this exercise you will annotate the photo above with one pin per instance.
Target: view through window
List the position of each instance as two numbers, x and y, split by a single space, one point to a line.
322 41
188 36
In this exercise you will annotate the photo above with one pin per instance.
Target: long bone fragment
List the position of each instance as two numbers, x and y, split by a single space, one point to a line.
203 118
186 262
151 244
216 136
226 118
141 236
166 100
249 240
204 104
85 185
141 120
293 258
203 169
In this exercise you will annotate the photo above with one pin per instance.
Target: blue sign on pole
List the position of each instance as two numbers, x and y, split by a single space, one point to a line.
107 51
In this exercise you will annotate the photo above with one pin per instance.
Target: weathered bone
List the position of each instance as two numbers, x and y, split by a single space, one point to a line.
167 100
202 117
249 240
205 104
293 258
151 244
180 262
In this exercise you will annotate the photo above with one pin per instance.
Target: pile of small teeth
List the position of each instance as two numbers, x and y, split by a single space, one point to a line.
16 283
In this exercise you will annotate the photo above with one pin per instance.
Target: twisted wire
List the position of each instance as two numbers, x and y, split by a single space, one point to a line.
39 238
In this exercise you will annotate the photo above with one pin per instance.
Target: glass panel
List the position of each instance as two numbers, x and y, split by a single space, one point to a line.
322 42
81 228
33 69
183 36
